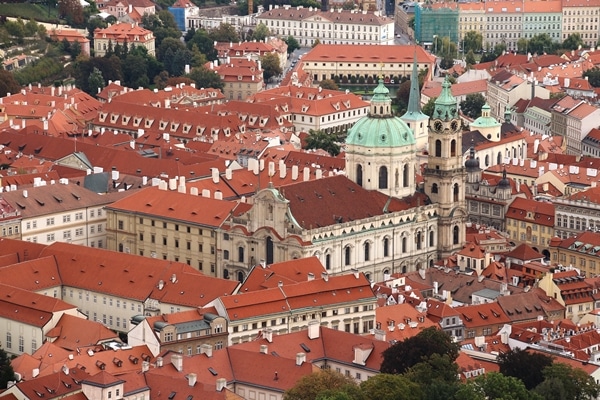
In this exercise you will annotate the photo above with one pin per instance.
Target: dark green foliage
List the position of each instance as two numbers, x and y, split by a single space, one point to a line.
6 370
403 355
324 141
205 78
270 66
8 83
292 44
472 104
428 108
204 43
473 41
310 386
573 41
572 383
470 58
525 365
224 33
494 385
593 75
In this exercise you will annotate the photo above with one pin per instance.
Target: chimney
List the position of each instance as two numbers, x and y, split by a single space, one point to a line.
159 362
319 173
177 361
145 366
228 174
271 168
325 276
261 164
25 194
313 330
294 172
206 349
192 377
215 175
380 335
268 335
221 383
300 358
355 272
306 174
264 349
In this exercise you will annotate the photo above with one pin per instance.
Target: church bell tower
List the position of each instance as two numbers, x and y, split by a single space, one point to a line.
445 175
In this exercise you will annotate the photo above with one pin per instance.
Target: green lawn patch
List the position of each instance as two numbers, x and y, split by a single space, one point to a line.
28 11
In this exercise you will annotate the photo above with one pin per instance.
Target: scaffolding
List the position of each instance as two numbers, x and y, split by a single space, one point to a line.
439 21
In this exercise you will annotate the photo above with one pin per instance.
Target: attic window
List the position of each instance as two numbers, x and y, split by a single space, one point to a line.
148 123
76 196
100 365
58 199
172 395
163 124
305 348
212 371
136 121
114 118
174 126
125 119
239 78
41 203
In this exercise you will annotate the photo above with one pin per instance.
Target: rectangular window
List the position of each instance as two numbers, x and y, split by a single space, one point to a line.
50 237
50 221
120 224
66 218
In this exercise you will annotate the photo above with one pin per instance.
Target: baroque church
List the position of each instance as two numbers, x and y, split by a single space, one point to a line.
373 220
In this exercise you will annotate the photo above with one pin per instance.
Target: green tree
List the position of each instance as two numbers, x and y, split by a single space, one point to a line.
205 78
8 84
329 84
322 140
472 41
402 96
541 43
72 11
316 43
593 75
163 25
429 107
524 365
403 355
573 42
472 104
6 370
261 32
204 43
437 376
292 44
470 58
311 386
523 46
390 387
135 71
224 33
270 65
576 383
95 81
494 385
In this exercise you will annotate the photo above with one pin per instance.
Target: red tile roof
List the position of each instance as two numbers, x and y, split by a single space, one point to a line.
288 272
537 212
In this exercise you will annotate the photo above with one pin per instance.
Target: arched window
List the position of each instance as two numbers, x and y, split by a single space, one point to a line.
456 191
455 235
487 160
269 249
431 238
386 247
453 148
405 176
241 254
367 251
383 177
404 269
347 259
225 274
404 244
359 175
438 148
121 247
240 276
418 240
434 188
499 160
328 261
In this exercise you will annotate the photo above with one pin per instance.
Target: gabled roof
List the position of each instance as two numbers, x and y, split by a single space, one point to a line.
528 306
172 205
402 321
29 308
475 316
537 212
294 271
55 385
524 252
72 332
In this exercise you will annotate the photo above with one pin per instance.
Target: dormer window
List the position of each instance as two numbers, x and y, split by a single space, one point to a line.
114 118
163 125
200 130
186 128
102 116
174 126
125 119
149 123
136 121
239 77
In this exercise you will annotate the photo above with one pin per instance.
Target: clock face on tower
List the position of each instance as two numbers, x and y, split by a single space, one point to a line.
454 125
438 126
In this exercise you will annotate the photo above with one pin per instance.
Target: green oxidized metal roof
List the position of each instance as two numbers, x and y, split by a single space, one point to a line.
485 121
445 105
380 130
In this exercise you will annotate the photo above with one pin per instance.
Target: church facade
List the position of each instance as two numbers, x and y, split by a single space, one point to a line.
373 219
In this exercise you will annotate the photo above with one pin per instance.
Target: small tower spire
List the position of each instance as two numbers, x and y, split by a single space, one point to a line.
414 107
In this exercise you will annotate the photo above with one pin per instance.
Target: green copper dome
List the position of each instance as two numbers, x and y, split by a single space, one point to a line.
485 121
445 105
380 128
